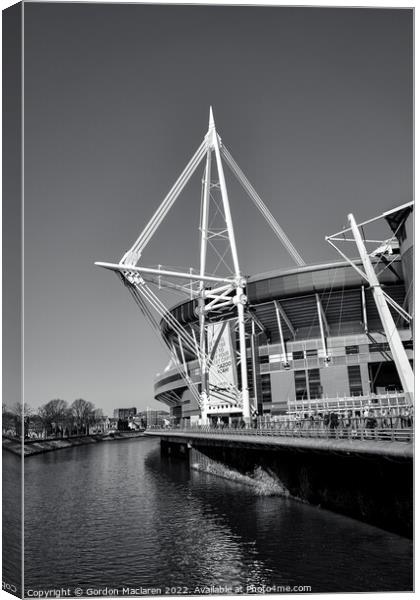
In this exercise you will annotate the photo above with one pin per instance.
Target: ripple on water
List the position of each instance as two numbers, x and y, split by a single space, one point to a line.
120 514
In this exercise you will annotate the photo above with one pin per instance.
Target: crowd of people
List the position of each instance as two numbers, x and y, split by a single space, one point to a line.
365 418
366 421
352 420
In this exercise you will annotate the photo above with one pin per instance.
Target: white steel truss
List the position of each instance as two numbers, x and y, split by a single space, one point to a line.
382 299
213 293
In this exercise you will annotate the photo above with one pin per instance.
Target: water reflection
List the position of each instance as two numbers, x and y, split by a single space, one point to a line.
119 514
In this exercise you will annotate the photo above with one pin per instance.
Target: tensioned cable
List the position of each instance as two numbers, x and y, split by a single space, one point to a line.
396 257
221 257
393 331
330 292
404 302
155 326
166 316
143 306
262 207
185 370
183 375
167 203
320 296
394 304
387 241
341 308
170 198
170 287
390 301
200 222
149 316
189 342
218 211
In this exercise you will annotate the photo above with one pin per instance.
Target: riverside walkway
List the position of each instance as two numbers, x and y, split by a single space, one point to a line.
303 435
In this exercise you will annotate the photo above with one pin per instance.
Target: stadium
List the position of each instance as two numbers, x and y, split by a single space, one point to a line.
311 338
334 352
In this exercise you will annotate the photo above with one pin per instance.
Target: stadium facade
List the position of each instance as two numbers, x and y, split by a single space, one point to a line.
331 344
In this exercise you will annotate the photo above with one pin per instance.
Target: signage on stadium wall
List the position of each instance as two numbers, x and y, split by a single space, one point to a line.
222 373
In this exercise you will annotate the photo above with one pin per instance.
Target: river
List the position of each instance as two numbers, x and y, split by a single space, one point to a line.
119 515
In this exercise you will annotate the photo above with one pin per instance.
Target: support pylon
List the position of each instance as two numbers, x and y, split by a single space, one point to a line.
399 354
239 299
227 291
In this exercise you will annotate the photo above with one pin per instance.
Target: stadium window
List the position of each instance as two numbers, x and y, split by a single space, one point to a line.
408 344
313 352
266 387
298 355
314 380
379 347
264 359
355 380
301 385
352 349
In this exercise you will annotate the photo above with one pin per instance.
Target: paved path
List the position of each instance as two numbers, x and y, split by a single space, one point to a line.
348 446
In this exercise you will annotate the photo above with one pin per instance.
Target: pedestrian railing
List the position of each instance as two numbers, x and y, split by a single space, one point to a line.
351 429
394 402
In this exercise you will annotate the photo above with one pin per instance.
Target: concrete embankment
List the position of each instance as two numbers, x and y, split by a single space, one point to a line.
40 446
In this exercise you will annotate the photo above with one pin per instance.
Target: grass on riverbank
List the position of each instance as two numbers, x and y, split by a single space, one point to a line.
40 446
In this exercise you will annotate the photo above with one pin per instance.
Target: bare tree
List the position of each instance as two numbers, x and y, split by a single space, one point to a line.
83 413
8 421
53 415
21 409
69 421
18 412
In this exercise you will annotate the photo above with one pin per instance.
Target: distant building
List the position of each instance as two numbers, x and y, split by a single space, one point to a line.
136 423
111 423
153 418
124 414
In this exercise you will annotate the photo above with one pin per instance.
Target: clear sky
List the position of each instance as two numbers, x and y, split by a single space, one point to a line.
314 104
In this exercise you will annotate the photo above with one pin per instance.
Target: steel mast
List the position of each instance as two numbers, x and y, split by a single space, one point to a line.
203 254
221 296
397 349
227 290
381 298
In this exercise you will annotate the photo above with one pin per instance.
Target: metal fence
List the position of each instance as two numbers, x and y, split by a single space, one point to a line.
395 429
394 402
